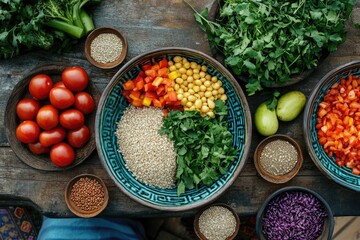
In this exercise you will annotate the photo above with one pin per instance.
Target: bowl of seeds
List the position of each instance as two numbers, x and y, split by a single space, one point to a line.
86 195
173 129
217 221
106 47
278 158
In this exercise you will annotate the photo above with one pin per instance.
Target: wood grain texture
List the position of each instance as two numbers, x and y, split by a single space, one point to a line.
150 24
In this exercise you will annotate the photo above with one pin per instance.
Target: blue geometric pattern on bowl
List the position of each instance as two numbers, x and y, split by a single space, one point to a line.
341 175
111 107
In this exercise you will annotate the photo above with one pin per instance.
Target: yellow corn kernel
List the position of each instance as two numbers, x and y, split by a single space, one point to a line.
173 75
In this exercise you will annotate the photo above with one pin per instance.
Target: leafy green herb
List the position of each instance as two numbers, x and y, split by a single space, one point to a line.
270 41
41 24
204 146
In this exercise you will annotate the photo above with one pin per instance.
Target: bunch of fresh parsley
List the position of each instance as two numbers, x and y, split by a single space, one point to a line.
270 41
204 146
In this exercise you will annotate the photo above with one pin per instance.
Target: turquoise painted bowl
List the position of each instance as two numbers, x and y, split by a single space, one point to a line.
109 112
327 165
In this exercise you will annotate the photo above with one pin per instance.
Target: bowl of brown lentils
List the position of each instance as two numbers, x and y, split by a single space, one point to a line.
106 47
86 195
278 158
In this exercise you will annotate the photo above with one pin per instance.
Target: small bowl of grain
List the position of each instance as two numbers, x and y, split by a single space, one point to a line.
278 158
86 195
106 47
217 221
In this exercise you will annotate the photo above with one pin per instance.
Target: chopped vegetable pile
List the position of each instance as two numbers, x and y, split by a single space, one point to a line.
338 123
42 24
294 215
269 41
204 146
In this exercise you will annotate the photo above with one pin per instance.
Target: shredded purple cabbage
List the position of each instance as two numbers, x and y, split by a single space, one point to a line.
294 215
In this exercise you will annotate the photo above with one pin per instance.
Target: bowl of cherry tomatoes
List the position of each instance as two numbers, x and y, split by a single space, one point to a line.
50 115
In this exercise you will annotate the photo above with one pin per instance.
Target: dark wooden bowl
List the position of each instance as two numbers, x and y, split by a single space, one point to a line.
218 55
201 236
43 162
96 33
278 179
74 208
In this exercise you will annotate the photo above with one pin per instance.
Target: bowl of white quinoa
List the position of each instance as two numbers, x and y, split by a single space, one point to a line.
143 163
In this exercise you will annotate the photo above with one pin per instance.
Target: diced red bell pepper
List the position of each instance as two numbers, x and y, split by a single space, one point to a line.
134 95
151 73
171 96
139 85
150 95
157 81
155 67
163 63
126 94
160 91
137 102
158 103
149 87
148 79
168 82
163 72
146 67
129 85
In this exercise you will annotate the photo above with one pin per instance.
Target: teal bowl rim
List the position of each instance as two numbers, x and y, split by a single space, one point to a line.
247 119
262 208
310 109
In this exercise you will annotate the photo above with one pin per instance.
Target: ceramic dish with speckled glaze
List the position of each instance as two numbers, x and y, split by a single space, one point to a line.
327 165
112 105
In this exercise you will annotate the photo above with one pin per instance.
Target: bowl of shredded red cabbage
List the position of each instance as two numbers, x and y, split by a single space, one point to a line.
294 213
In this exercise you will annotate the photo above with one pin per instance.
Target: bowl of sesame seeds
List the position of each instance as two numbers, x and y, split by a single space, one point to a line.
106 47
278 158
86 195
145 163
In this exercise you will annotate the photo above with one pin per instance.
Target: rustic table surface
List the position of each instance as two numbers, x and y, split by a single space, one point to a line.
148 25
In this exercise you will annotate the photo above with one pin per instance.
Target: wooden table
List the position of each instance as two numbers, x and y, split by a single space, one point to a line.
147 25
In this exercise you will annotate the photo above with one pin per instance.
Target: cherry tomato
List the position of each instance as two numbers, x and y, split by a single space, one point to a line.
47 117
72 119
79 137
84 102
61 98
52 136
28 132
62 154
59 84
38 149
27 108
40 86
75 78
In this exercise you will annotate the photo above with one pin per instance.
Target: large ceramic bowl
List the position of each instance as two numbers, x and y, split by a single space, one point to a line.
341 175
110 110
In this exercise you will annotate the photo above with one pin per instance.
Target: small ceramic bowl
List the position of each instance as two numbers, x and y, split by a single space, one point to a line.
302 194
103 53
267 175
197 230
84 182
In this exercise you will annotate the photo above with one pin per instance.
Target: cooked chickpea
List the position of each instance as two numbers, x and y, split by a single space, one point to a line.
211 104
190 79
184 101
207 84
208 77
214 92
202 88
208 94
223 97
186 94
184 76
196 70
191 91
170 63
204 68
204 109
214 79
198 82
180 96
196 89
182 70
196 76
179 80
221 90
172 68
176 87
211 114
191 98
189 104
189 72
178 65
202 74
187 65
198 103
193 65
216 85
